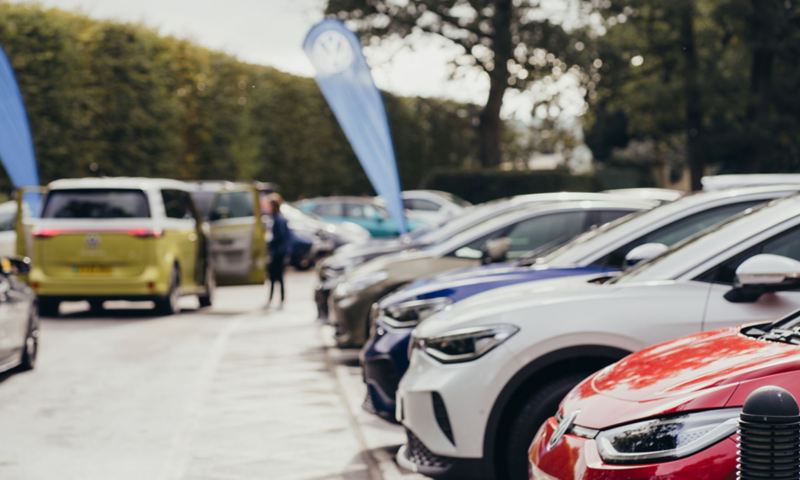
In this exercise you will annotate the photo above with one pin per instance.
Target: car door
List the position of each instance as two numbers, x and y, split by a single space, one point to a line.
180 231
238 238
723 313
14 314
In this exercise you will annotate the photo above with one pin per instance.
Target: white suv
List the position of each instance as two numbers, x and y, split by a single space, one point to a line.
487 371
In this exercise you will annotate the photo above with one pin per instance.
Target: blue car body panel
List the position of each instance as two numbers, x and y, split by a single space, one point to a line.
385 356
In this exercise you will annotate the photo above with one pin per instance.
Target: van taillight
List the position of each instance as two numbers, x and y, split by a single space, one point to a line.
144 233
45 233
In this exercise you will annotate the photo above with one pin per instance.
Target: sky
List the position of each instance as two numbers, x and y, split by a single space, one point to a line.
271 32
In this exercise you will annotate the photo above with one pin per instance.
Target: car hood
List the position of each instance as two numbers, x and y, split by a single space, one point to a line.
466 282
500 304
353 254
695 372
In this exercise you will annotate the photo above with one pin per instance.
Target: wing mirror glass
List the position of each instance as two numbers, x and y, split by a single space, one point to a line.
496 250
644 252
764 273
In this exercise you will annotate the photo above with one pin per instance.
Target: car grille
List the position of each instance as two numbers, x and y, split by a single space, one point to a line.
381 372
417 453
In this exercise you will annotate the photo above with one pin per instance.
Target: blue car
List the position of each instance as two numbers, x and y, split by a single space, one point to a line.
601 251
364 211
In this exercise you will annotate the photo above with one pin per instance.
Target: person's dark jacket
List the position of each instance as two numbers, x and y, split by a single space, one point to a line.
281 237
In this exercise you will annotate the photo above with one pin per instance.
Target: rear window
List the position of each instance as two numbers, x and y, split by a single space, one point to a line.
96 203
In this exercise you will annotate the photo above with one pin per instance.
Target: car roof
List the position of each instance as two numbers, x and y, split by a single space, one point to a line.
119 182
660 194
717 182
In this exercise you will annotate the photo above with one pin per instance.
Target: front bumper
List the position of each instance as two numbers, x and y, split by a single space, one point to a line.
454 424
577 458
416 457
350 315
384 360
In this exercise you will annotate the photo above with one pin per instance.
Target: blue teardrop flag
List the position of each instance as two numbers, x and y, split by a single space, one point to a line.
345 80
16 144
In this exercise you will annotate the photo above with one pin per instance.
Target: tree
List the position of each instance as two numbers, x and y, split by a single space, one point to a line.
711 79
513 42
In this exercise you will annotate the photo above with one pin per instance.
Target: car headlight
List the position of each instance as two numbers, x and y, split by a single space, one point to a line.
409 314
466 344
351 286
667 438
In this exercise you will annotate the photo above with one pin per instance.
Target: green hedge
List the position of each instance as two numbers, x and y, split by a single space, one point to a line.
119 99
479 186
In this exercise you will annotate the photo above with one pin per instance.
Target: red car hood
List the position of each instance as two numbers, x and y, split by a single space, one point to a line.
696 372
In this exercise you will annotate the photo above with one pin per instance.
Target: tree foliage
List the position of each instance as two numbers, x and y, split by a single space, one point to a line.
118 99
710 83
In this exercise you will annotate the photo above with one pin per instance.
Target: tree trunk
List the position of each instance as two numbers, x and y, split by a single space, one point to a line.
490 126
694 109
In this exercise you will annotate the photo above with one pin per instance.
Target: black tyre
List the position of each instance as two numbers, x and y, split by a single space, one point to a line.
206 299
168 305
96 305
48 308
31 348
540 406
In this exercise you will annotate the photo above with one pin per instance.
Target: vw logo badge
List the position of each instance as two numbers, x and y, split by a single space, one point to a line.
331 53
92 241
564 426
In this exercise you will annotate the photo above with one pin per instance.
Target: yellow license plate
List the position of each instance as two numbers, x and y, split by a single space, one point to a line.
93 269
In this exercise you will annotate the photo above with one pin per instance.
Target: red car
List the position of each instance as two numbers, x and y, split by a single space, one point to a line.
670 411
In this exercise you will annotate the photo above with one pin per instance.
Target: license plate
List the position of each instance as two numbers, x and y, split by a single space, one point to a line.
93 269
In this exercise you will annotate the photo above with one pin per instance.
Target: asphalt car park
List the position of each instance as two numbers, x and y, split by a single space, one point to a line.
203 394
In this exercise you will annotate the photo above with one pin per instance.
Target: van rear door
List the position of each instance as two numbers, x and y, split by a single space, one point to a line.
94 232
238 244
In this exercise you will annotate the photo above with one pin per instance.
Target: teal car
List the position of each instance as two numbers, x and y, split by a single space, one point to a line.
364 211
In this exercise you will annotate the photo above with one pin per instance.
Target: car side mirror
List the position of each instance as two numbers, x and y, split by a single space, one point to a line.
764 273
644 252
496 250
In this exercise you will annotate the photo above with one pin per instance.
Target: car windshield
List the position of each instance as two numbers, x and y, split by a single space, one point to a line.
551 255
96 203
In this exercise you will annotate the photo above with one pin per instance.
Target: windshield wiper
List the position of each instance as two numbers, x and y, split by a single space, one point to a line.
782 335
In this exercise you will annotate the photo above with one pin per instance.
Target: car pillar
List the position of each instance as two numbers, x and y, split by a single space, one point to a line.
769 436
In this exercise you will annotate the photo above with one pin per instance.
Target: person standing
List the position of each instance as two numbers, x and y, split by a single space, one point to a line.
278 245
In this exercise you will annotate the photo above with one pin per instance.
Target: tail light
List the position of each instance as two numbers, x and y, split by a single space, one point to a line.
45 233
145 233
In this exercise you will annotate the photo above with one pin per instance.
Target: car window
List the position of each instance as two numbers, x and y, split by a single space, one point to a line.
421 205
232 205
328 210
96 203
177 204
543 230
786 244
673 233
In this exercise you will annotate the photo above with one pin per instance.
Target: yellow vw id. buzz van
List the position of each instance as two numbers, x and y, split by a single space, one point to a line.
101 239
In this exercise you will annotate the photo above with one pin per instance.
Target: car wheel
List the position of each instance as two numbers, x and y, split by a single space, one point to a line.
168 305
48 308
31 348
537 409
207 297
